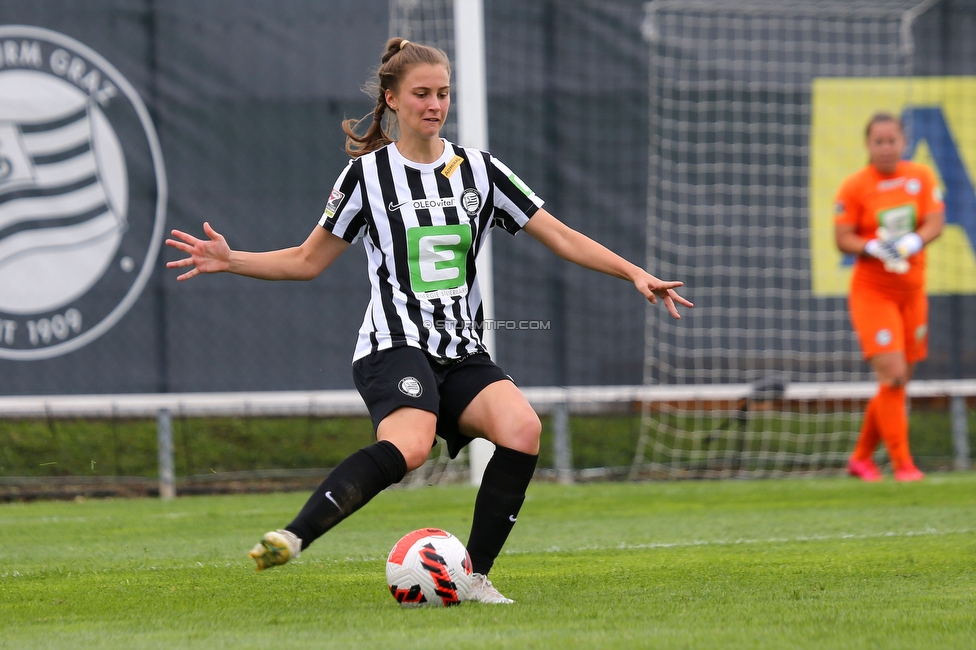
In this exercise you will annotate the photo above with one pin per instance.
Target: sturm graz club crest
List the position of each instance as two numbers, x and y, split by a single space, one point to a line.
82 194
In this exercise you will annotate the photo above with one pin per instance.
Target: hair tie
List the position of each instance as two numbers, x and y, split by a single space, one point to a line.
403 43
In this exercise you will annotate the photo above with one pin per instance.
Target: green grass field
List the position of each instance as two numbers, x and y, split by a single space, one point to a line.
801 563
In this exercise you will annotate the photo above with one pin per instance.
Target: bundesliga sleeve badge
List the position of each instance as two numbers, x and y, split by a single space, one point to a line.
335 199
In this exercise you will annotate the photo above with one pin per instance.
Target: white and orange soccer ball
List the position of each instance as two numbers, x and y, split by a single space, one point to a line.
428 568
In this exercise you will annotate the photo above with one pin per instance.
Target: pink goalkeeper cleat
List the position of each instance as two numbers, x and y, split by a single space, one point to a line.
865 470
910 473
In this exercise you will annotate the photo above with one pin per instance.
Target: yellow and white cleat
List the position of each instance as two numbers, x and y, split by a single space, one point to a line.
275 549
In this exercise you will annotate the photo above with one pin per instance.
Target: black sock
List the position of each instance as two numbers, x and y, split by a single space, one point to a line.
497 506
347 488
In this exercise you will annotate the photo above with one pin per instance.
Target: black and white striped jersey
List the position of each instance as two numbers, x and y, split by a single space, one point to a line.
422 226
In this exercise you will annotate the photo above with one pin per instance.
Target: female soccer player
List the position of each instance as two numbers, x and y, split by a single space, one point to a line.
423 208
885 214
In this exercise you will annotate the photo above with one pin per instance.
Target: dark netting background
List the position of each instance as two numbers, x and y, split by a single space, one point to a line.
731 98
247 97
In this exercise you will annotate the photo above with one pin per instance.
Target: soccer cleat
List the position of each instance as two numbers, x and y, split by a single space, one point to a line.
483 591
865 470
276 548
910 473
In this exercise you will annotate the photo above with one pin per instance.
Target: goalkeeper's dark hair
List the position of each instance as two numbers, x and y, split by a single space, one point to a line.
400 55
880 117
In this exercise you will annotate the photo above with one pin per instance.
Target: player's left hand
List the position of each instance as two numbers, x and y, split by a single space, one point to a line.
908 245
654 288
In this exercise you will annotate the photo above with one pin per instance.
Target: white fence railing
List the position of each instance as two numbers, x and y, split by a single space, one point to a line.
556 401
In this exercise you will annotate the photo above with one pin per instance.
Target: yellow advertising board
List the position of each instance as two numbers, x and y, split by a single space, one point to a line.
940 116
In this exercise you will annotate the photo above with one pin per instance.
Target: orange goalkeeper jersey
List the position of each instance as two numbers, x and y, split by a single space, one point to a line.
869 199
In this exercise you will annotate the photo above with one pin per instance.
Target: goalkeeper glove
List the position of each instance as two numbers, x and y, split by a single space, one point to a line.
908 245
887 253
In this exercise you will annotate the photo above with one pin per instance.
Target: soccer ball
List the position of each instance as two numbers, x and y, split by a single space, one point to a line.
428 568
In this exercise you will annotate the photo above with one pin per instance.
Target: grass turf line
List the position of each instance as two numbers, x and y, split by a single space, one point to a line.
744 564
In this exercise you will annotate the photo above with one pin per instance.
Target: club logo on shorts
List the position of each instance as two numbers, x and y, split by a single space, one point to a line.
883 337
411 387
913 186
82 194
471 201
921 332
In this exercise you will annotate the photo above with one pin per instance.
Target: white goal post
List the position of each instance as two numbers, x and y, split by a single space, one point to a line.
472 129
458 28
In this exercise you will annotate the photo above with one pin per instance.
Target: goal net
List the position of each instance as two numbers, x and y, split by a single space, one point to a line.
756 115
430 22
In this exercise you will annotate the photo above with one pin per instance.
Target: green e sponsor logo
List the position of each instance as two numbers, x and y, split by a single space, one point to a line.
437 256
898 221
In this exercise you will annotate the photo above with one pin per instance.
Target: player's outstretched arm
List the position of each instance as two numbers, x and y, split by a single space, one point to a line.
213 255
576 247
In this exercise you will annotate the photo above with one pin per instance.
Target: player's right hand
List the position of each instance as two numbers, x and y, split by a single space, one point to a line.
887 253
205 255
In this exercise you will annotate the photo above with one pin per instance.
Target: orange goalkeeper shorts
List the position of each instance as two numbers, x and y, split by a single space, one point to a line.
890 322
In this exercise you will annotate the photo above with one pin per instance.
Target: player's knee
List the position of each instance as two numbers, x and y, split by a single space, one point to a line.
898 374
415 453
891 369
416 450
414 446
411 431
897 380
524 433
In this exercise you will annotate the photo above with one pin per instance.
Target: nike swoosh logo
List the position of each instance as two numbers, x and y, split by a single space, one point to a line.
394 207
512 518
328 495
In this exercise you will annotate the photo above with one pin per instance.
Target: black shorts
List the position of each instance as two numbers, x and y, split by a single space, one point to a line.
407 376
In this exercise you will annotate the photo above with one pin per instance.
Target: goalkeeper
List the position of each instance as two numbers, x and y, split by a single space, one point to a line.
885 214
